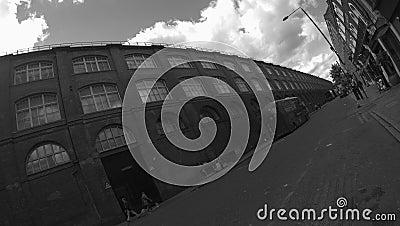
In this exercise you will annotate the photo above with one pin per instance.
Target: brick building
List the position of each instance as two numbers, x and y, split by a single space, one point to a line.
63 155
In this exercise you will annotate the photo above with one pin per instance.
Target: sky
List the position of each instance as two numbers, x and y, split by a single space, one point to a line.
255 27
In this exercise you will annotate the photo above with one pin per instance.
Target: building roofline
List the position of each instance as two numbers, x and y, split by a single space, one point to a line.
138 44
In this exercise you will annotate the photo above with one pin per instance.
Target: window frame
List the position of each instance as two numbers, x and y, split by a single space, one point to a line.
240 83
146 59
180 61
25 68
86 62
229 65
110 129
92 95
42 106
46 156
149 90
189 83
244 66
257 85
208 64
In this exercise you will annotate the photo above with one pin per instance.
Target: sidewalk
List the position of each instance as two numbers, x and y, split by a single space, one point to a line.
383 107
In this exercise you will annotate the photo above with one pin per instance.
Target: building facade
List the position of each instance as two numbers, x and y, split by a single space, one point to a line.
366 35
64 156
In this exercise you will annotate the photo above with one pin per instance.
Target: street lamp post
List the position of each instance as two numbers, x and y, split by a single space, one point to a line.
323 35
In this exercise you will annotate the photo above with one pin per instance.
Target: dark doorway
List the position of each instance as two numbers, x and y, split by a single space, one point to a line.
129 180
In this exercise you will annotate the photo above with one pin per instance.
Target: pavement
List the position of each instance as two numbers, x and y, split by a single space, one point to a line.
341 152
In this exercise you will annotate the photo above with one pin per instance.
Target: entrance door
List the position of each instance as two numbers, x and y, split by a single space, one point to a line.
129 180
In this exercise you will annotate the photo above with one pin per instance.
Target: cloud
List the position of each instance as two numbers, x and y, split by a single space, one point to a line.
22 31
256 28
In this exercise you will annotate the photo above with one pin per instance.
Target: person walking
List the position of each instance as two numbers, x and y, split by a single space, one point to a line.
356 91
128 209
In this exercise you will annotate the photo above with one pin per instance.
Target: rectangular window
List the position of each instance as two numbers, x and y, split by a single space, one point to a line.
193 88
246 67
256 85
33 72
99 98
222 87
142 60
208 65
179 62
230 65
90 64
148 94
37 110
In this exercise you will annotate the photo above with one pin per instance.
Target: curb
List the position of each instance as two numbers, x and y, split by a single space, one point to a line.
391 126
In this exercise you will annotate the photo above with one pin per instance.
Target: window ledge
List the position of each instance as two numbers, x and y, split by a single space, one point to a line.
91 72
26 83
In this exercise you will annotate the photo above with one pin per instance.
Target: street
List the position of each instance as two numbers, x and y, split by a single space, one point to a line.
339 152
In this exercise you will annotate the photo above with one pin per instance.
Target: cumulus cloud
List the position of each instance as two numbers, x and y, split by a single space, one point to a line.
22 31
256 28
22 27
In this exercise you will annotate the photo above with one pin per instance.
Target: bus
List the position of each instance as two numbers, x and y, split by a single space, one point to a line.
291 113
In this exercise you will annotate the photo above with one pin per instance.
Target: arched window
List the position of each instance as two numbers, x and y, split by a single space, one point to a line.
241 84
135 60
37 110
33 72
112 137
158 92
99 97
221 86
178 61
90 64
46 157
169 125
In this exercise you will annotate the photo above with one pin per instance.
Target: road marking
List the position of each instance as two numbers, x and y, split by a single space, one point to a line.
287 198
346 130
391 104
328 145
301 177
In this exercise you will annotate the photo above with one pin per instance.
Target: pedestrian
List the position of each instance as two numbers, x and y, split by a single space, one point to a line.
361 87
356 91
146 201
128 209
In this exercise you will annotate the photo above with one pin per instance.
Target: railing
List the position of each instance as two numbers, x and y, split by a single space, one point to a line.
125 43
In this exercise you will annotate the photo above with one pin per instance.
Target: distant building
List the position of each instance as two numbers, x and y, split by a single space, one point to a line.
64 158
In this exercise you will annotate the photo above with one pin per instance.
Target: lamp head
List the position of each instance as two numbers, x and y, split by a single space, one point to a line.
285 18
